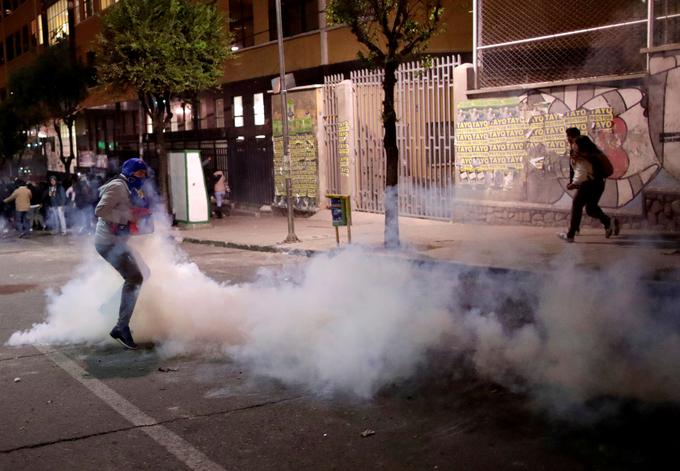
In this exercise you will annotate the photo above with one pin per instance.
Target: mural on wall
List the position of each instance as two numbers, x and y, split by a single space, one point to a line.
515 149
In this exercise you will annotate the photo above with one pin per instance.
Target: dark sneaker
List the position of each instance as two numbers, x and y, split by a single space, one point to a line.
609 230
565 236
616 226
124 337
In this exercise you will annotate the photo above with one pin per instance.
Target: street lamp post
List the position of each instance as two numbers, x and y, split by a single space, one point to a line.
291 237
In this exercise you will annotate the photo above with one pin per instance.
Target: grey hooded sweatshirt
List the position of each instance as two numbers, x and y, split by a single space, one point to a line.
114 207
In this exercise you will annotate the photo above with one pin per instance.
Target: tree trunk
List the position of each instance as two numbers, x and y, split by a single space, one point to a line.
391 200
164 188
71 154
57 129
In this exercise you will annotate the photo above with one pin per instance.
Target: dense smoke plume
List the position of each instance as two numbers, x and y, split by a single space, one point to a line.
352 322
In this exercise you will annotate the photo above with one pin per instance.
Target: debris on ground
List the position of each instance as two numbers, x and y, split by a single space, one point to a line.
163 369
16 380
367 433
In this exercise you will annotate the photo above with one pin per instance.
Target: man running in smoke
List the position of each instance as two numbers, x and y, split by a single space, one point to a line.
116 211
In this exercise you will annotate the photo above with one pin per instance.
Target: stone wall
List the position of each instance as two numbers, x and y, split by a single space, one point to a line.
488 213
662 210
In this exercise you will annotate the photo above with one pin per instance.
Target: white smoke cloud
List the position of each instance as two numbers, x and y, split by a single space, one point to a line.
352 322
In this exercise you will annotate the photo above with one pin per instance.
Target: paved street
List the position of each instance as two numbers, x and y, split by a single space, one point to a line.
100 407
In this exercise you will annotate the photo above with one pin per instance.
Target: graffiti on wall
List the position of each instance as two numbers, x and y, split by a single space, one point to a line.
514 147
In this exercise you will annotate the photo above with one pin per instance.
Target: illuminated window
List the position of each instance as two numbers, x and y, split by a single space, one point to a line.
36 31
57 21
107 3
258 108
238 111
85 9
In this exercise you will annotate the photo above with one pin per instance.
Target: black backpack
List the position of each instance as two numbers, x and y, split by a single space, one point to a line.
602 167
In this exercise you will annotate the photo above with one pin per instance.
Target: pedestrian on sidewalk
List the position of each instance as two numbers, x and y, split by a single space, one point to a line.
589 182
56 196
220 189
22 205
116 212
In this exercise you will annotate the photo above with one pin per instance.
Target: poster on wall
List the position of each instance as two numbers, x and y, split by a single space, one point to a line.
303 150
510 147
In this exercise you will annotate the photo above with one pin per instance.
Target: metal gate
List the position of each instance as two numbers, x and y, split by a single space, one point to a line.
425 132
251 170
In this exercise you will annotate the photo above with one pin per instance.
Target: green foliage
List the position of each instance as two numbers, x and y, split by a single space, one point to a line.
61 81
394 31
162 47
12 131
50 88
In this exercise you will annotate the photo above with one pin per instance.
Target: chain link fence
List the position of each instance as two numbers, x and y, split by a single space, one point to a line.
667 24
535 41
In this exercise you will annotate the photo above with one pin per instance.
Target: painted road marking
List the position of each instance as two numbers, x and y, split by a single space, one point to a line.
172 442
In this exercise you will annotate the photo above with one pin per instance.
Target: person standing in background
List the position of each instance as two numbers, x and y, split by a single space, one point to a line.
56 197
220 189
22 205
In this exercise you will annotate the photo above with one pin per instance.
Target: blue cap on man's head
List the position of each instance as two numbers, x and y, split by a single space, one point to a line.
132 165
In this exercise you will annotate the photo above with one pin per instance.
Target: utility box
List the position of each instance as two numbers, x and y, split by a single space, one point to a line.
341 215
187 186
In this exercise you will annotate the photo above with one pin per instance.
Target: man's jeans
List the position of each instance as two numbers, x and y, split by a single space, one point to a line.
57 219
587 195
122 260
219 198
22 222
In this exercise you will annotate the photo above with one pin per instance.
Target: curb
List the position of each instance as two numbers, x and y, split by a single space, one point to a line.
656 279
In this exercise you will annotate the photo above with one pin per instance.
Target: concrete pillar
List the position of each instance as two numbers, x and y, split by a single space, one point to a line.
348 171
463 80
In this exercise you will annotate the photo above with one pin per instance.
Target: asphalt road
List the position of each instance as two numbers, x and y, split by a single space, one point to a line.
80 407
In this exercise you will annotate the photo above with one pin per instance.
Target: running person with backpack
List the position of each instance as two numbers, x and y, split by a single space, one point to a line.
591 169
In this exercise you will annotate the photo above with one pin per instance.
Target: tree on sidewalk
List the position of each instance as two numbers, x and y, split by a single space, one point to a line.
12 133
63 81
52 88
162 49
394 32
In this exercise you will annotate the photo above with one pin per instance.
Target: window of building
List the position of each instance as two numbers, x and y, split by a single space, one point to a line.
219 112
107 3
85 9
57 21
17 44
8 7
238 111
241 22
258 108
36 31
25 42
9 43
297 16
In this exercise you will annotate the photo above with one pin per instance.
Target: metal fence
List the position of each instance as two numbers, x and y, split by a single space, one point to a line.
424 106
535 41
667 24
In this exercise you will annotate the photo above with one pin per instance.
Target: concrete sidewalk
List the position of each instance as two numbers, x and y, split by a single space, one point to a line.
509 247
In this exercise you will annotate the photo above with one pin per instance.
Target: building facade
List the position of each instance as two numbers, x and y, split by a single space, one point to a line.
232 126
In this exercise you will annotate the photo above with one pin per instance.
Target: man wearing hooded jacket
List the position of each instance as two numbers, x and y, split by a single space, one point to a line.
115 212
